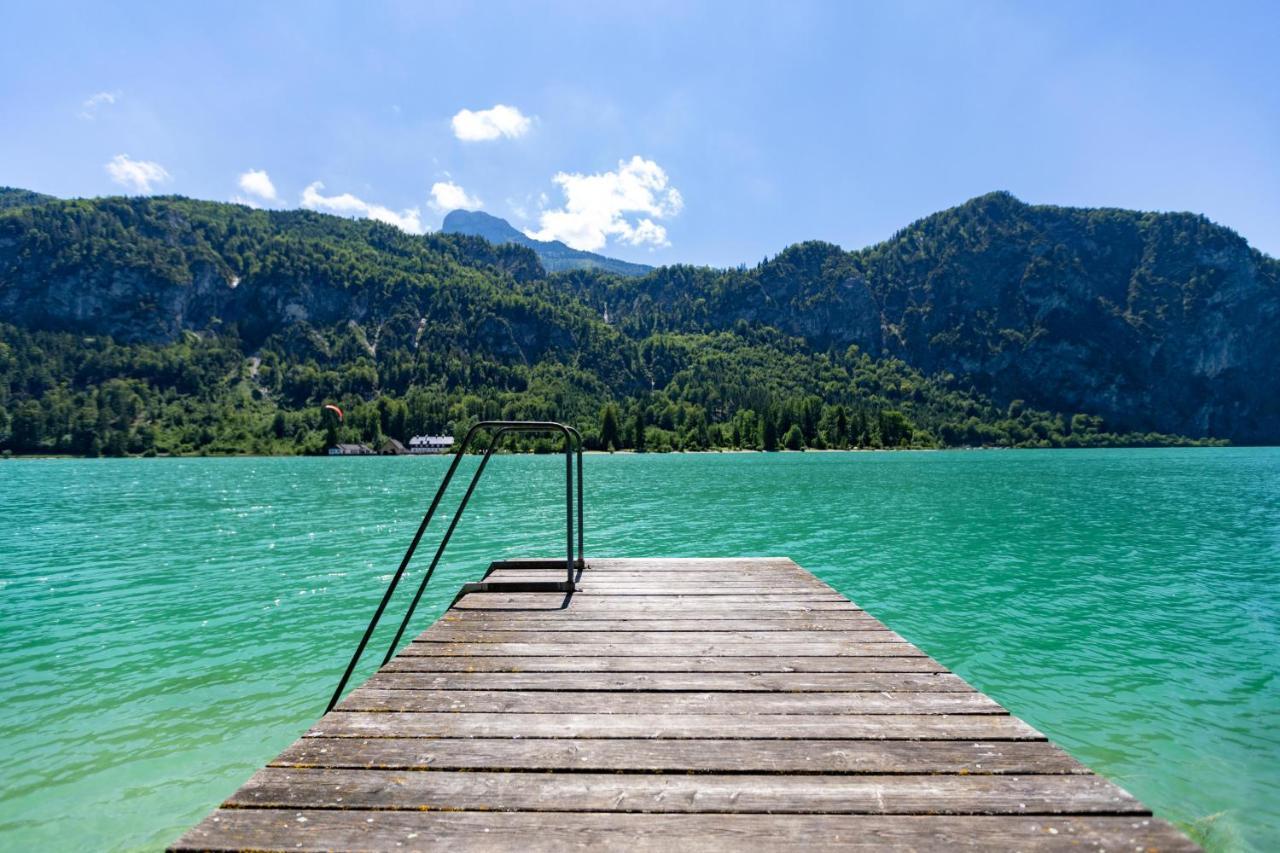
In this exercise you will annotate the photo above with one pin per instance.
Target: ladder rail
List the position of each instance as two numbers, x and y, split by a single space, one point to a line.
572 442
457 516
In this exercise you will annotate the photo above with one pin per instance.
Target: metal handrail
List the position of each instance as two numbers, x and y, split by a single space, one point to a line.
572 440
471 487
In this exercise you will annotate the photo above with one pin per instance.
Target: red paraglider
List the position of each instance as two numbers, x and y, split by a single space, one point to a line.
331 407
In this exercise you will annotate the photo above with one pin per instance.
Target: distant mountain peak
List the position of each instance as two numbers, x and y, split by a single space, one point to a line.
480 224
555 255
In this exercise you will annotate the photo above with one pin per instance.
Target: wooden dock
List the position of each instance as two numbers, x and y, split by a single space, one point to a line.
672 705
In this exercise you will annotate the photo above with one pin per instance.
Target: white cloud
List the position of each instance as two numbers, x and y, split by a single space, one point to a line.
518 209
138 175
90 106
409 219
447 196
597 207
256 182
486 125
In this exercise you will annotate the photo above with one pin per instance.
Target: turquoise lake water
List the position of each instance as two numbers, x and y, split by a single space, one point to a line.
167 626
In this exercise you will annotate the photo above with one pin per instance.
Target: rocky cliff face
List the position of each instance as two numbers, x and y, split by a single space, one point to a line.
130 305
150 270
1156 321
1153 321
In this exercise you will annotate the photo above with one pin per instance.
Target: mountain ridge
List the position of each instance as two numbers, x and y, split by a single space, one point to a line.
555 255
994 322
1095 309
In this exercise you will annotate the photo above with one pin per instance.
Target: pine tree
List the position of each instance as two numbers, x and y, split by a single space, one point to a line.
768 432
610 429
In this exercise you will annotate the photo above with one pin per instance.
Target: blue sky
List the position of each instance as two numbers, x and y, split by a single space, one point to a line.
710 133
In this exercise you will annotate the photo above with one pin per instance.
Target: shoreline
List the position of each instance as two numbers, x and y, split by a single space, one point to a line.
725 452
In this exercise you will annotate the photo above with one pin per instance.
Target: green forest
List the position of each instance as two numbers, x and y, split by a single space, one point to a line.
91 397
166 326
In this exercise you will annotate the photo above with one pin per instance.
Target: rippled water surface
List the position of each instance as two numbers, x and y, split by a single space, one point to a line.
166 626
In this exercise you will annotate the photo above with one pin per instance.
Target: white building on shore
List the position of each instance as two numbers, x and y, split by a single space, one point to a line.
431 444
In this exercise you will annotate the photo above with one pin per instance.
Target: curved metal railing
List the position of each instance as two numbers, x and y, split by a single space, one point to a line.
572 442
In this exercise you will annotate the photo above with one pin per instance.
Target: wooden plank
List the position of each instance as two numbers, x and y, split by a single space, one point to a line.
589 640
646 575
785 592
857 622
292 788
649 612
730 584
828 648
779 565
598 601
690 597
651 755
575 662
603 702
500 604
540 832
687 576
691 726
692 578
723 583
779 682
689 568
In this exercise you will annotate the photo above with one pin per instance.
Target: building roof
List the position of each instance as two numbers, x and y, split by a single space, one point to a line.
431 441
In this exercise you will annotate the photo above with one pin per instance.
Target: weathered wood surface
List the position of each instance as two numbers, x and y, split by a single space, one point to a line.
598 639
728 602
711 756
709 702
291 788
519 622
550 832
660 682
672 704
579 662
688 726
837 647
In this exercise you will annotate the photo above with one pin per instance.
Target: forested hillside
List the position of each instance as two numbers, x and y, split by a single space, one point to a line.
1153 321
166 325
